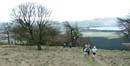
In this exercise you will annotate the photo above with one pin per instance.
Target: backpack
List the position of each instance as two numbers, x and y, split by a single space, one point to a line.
85 49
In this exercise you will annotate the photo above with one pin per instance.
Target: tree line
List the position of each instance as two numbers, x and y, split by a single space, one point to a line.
31 25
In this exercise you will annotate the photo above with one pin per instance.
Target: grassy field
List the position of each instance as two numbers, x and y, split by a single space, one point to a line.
58 56
109 35
105 40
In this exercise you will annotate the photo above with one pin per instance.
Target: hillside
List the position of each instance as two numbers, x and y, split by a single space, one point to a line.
109 23
105 40
58 56
99 22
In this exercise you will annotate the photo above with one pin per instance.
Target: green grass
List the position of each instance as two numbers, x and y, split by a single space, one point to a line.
109 35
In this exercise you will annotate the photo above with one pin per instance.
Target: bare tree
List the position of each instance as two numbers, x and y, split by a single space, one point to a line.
72 33
42 21
7 27
24 16
124 23
32 19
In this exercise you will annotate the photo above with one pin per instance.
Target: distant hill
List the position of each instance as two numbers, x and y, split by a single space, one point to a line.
94 24
100 22
1 26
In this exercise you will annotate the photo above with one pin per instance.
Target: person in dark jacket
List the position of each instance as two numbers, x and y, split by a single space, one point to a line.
85 50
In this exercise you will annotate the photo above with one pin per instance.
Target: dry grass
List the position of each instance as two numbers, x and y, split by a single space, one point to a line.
58 56
28 56
114 57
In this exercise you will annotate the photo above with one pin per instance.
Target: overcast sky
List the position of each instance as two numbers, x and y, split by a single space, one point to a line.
72 10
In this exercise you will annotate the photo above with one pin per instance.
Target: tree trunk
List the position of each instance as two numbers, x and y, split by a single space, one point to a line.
8 37
32 37
40 40
39 47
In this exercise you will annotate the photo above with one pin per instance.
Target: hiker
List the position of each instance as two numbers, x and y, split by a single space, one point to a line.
94 50
88 49
85 50
70 45
65 45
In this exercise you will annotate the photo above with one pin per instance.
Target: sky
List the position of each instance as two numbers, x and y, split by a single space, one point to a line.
72 10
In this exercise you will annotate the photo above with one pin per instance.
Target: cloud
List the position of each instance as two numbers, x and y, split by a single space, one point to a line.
72 10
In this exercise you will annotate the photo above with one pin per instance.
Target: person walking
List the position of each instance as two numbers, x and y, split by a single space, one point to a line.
94 50
85 50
